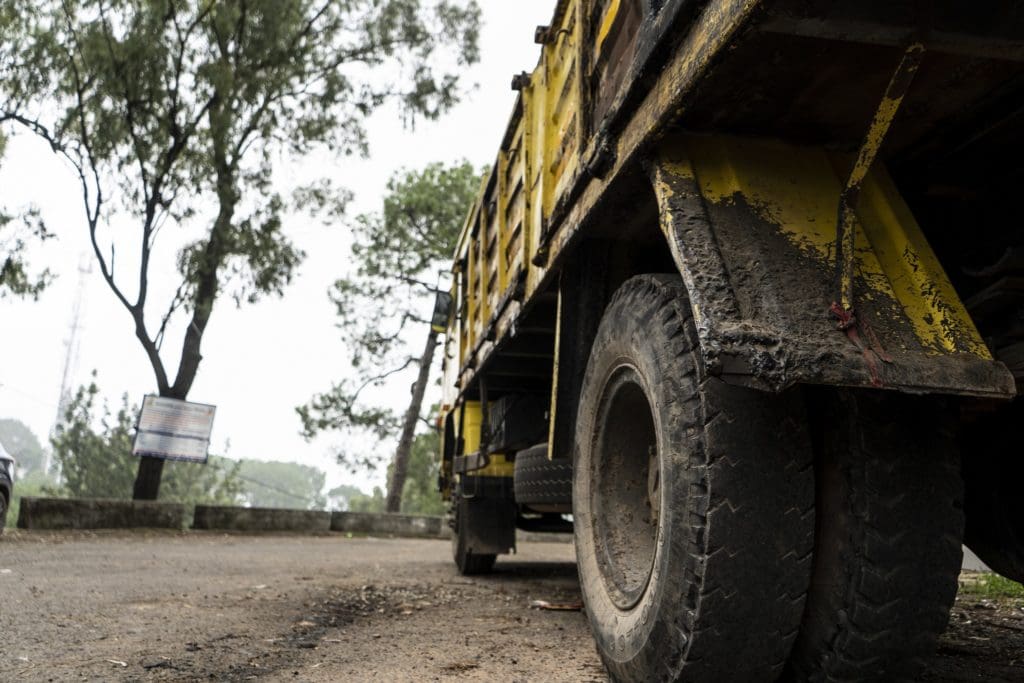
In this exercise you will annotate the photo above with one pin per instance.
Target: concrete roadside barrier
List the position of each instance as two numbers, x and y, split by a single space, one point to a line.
413 526
419 526
227 518
99 513
96 513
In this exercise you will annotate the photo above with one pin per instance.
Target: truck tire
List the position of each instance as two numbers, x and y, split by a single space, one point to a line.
993 505
540 481
692 501
888 543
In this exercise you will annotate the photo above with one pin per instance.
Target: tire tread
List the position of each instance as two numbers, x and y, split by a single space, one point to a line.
742 602
898 527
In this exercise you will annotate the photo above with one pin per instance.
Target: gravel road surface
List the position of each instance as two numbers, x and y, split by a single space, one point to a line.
164 606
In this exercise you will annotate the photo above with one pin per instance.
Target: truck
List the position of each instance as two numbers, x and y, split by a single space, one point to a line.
741 303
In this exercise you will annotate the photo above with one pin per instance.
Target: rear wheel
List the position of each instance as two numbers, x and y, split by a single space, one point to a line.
993 505
3 512
889 528
692 500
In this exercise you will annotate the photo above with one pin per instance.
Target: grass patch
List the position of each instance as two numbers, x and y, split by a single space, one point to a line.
12 512
992 586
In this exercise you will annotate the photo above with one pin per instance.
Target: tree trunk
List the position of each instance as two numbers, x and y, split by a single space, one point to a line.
400 465
147 481
151 470
148 477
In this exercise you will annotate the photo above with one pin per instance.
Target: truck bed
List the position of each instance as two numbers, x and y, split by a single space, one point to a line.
615 76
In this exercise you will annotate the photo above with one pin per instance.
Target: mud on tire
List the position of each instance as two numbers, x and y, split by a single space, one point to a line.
692 500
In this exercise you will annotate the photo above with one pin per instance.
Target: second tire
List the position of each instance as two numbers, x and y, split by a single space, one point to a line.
542 483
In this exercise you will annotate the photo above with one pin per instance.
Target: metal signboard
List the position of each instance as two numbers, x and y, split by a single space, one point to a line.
173 429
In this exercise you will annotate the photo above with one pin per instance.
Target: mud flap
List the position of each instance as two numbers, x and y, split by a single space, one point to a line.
489 521
751 225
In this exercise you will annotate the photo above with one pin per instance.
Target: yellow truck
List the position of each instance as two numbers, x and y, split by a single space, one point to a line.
741 303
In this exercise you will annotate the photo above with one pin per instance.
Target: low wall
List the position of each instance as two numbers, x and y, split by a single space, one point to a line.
415 526
259 519
98 513
81 513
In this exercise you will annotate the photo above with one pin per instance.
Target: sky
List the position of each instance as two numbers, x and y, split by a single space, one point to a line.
260 361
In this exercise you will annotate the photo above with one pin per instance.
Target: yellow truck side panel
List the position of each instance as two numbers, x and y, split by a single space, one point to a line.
555 165
535 166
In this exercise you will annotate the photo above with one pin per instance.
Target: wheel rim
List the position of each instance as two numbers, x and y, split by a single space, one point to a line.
627 488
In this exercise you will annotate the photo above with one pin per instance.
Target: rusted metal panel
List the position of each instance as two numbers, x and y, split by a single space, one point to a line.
757 252
617 23
706 39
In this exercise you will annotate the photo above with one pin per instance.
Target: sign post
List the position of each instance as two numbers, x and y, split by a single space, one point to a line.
173 430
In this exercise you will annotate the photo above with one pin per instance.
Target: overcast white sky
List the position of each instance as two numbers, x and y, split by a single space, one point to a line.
261 361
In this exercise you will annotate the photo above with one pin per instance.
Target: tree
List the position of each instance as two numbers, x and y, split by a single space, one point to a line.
421 495
174 115
282 485
23 444
93 449
362 502
340 496
399 252
16 233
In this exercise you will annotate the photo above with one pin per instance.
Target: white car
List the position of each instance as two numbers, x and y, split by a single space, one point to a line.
6 484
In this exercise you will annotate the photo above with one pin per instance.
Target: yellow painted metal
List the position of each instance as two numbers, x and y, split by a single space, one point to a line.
553 411
678 165
468 425
538 161
797 190
610 15
468 422
880 123
499 466
561 105
918 281
473 288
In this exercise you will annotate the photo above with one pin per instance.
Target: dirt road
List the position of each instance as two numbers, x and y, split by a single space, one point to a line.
156 607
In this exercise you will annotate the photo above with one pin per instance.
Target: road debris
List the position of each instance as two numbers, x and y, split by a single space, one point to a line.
557 606
164 663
